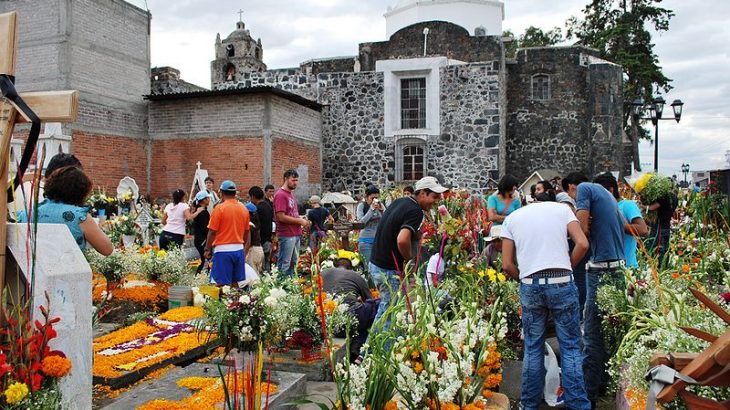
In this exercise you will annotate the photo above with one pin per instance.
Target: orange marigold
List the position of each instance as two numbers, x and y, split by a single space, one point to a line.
55 366
391 405
685 268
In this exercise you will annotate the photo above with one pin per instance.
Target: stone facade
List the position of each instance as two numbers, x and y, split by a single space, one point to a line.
578 127
166 80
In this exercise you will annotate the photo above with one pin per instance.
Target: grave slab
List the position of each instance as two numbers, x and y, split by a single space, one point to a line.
292 386
316 370
61 271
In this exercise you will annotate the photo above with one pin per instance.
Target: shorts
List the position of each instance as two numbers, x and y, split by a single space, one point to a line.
228 267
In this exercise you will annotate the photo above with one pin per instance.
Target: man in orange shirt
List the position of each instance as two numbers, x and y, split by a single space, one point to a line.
228 232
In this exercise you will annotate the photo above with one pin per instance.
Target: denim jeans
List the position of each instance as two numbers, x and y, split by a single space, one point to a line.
561 300
595 356
288 254
365 250
388 284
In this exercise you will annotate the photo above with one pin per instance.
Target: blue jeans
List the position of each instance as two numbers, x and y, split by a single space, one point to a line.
388 283
365 250
288 254
660 243
595 356
561 300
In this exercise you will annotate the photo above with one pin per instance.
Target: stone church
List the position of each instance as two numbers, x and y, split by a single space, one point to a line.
438 97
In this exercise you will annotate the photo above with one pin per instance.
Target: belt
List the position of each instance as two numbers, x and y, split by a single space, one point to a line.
549 277
606 265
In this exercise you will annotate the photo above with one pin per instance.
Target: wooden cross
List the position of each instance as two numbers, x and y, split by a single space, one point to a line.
51 106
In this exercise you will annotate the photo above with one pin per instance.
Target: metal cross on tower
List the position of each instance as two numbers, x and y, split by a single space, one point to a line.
240 14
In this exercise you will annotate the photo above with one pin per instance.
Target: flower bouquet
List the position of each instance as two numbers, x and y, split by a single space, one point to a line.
652 187
29 369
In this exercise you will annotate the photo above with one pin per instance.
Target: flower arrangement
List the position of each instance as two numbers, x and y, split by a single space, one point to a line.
645 316
99 203
29 369
652 187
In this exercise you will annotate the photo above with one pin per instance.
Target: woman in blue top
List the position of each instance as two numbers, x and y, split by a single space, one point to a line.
369 213
66 191
505 201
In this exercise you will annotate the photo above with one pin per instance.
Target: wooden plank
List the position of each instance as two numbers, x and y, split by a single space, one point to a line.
681 360
700 334
52 106
8 22
722 313
7 125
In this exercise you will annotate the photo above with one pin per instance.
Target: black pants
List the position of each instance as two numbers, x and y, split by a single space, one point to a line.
168 239
199 242
365 315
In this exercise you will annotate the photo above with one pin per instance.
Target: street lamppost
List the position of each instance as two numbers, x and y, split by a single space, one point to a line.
685 170
655 109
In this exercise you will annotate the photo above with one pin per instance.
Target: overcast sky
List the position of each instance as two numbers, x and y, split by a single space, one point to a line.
694 53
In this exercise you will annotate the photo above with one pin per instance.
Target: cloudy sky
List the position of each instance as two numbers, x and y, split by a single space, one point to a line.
694 53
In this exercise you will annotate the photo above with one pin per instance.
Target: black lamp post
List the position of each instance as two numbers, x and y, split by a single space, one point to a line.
655 110
685 170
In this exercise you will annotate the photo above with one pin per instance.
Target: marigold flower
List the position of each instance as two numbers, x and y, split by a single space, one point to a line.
55 366
685 268
15 393
391 405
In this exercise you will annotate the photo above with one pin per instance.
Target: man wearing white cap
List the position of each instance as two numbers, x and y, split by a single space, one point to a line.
398 234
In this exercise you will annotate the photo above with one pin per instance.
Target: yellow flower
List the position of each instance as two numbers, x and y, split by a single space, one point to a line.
343 254
641 183
15 393
161 254
481 273
492 274
501 277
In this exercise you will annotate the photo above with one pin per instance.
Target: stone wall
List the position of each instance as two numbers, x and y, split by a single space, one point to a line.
444 39
554 133
329 65
578 128
467 152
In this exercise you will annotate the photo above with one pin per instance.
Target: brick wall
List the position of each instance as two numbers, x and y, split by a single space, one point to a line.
292 119
207 116
100 156
174 162
304 157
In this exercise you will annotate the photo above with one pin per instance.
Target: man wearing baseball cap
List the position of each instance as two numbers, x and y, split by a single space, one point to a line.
396 240
228 231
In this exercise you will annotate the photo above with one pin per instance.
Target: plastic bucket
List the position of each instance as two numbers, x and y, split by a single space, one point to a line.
213 291
179 296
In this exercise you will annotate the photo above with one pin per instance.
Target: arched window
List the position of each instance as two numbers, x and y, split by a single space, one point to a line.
410 159
230 50
229 72
540 87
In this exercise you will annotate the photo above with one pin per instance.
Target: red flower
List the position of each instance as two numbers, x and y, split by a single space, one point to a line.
726 297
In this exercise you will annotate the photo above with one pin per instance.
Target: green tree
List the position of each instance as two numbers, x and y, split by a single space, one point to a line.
532 37
536 37
619 29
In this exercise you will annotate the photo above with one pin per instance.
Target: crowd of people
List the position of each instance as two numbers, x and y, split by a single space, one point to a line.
572 236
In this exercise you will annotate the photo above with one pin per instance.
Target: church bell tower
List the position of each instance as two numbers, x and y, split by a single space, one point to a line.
239 53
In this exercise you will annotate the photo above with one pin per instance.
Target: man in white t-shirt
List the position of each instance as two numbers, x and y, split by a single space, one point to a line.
434 270
535 250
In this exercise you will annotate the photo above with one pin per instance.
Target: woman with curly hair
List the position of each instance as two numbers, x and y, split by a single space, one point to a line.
66 190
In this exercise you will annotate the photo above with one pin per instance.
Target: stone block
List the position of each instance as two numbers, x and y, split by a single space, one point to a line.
292 386
61 271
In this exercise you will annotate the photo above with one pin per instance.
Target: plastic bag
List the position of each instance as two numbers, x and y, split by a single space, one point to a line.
553 386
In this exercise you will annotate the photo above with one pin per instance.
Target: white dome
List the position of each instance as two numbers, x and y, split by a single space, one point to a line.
469 14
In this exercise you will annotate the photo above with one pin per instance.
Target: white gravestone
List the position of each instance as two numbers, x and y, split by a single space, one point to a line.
62 271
